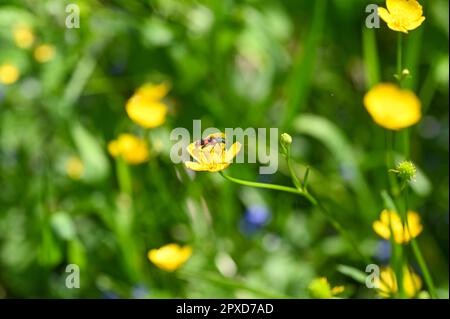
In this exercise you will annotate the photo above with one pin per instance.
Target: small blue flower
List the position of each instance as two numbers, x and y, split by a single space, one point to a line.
110 295
383 250
258 215
255 217
139 292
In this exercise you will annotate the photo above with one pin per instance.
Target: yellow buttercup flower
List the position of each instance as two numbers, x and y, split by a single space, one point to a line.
131 148
391 107
44 53
402 15
9 74
145 107
320 288
388 283
170 257
153 91
23 36
403 232
210 153
74 167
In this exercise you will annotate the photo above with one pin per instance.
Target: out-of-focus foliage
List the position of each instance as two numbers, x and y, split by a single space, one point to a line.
301 66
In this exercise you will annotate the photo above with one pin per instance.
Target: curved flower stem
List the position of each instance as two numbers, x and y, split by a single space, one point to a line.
418 254
312 200
424 268
262 185
295 179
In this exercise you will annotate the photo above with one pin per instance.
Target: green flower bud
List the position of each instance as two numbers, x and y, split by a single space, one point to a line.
286 141
406 171
320 289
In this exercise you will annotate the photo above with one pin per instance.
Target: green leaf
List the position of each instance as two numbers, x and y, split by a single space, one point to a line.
92 154
353 273
334 139
63 225
304 65
76 253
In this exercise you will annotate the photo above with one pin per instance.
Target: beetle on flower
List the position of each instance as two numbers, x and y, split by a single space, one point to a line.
210 153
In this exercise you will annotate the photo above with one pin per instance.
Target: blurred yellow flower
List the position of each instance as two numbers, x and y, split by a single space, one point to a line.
320 288
391 107
9 74
74 167
131 148
388 283
145 107
23 36
170 257
153 91
403 232
210 153
402 15
44 53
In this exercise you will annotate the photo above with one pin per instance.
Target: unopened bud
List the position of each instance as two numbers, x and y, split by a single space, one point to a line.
285 141
406 171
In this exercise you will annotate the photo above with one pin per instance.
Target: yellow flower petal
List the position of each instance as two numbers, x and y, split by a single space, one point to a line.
385 15
74 167
44 53
388 283
402 15
403 232
233 151
218 167
153 92
415 23
23 36
9 74
397 27
381 229
337 290
196 166
391 107
414 227
194 151
131 148
411 282
404 10
211 154
146 112
170 257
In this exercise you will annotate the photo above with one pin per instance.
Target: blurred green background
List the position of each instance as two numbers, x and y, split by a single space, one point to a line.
301 66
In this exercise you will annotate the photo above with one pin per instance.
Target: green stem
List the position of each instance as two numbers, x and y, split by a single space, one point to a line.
397 253
295 179
312 200
390 163
399 58
424 268
123 176
418 254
